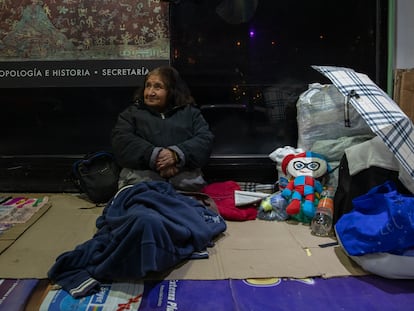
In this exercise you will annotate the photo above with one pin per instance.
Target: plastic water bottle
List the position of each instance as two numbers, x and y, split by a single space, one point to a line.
321 223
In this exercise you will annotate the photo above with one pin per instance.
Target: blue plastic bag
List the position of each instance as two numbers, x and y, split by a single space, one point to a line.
382 220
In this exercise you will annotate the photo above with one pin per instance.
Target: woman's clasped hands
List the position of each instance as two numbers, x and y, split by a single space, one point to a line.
166 163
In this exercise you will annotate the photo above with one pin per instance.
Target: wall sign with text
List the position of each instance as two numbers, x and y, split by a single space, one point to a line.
81 43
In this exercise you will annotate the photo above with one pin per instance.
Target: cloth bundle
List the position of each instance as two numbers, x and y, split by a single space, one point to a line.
223 193
146 228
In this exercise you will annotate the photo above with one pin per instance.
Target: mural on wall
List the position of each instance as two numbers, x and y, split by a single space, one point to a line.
61 38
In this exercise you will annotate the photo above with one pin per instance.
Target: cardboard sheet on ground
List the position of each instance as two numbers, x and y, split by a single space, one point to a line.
250 249
68 222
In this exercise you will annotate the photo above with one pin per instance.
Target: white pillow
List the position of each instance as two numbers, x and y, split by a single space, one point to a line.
385 264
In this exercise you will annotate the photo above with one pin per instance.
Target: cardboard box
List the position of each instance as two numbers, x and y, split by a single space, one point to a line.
404 91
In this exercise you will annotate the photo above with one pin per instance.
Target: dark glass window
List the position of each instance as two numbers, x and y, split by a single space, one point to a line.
247 61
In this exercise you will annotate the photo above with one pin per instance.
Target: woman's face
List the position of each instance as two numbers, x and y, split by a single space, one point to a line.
155 92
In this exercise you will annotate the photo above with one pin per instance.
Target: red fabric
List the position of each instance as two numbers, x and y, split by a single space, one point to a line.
223 195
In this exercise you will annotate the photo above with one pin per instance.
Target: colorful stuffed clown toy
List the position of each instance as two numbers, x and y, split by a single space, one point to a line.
304 187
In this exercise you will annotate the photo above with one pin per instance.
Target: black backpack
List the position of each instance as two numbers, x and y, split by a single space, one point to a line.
97 176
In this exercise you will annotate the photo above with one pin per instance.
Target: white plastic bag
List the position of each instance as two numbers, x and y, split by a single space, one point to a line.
320 116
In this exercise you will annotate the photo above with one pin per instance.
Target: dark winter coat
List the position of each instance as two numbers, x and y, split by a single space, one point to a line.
140 129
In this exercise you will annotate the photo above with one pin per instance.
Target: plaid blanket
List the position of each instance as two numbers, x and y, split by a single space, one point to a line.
257 187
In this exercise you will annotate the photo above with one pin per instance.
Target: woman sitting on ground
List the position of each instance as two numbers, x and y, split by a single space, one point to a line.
163 135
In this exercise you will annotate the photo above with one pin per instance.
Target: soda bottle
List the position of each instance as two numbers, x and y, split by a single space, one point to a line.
321 223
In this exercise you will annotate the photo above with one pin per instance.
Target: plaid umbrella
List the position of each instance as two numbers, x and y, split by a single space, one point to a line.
382 114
